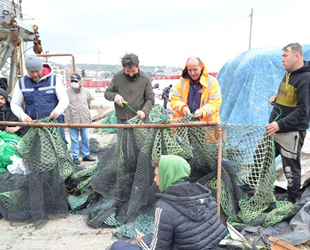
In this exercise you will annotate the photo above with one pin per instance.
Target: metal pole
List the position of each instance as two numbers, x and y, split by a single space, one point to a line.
219 175
73 59
77 125
251 29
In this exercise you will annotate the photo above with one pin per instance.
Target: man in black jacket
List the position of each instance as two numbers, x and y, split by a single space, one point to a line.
6 114
290 116
166 93
185 214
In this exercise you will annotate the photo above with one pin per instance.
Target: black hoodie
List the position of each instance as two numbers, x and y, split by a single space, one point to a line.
292 107
7 115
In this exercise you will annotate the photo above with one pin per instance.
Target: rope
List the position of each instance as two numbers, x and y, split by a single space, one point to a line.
278 114
126 103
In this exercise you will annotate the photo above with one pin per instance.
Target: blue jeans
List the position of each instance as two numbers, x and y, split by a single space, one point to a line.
62 130
119 245
74 137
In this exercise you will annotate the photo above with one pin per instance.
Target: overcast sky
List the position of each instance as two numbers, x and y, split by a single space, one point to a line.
165 32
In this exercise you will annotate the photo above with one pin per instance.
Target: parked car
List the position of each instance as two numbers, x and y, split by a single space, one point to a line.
99 90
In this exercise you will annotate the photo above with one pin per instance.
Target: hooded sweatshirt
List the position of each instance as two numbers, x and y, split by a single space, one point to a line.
7 115
172 169
292 107
186 213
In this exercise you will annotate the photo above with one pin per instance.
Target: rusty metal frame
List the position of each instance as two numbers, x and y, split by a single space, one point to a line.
50 55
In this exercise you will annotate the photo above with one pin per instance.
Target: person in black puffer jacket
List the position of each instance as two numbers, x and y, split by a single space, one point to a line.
7 115
185 214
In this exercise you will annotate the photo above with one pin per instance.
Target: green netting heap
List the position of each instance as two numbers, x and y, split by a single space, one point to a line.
123 188
8 148
109 119
248 176
39 193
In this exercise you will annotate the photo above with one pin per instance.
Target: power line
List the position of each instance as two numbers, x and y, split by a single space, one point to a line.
239 22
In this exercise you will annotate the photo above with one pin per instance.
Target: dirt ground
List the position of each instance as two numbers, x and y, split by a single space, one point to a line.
69 232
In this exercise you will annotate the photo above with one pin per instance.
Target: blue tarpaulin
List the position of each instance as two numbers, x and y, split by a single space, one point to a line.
248 81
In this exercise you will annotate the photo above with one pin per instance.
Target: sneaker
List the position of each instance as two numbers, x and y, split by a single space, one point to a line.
76 161
88 158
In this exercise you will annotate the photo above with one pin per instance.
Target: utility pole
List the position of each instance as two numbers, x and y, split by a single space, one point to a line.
251 29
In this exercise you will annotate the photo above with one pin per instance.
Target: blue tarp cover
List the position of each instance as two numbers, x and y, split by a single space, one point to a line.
248 81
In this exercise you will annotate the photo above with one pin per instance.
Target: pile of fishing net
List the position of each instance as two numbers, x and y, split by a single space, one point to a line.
248 176
38 192
120 191
8 149
109 119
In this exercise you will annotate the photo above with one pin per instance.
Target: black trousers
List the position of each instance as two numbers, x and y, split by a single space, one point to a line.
166 99
289 145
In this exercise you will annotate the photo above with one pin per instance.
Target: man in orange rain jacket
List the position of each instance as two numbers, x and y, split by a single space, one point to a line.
197 93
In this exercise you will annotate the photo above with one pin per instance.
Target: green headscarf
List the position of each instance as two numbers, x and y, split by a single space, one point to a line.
172 169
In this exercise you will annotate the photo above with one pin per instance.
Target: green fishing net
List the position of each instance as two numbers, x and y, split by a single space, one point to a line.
8 148
123 188
38 193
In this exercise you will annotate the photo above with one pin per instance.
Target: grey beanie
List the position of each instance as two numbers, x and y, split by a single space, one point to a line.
33 63
4 94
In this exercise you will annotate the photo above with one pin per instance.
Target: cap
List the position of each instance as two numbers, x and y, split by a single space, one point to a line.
4 93
75 77
33 63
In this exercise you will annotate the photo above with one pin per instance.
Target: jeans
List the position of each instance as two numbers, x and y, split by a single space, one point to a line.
74 137
62 130
118 245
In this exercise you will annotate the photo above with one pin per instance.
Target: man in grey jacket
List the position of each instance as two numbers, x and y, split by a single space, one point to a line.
131 86
78 112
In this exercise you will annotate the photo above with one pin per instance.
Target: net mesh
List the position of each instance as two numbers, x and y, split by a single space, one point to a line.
123 189
120 188
39 193
109 119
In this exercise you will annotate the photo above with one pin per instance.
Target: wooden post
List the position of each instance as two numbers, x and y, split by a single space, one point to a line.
280 245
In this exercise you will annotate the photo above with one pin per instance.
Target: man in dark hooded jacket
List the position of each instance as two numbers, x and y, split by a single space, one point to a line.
290 115
185 214
6 114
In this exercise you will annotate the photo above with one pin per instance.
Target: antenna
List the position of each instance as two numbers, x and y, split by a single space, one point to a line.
251 29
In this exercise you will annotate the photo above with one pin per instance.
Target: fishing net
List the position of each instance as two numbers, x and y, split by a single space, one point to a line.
8 149
109 119
248 175
38 193
122 190
157 115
